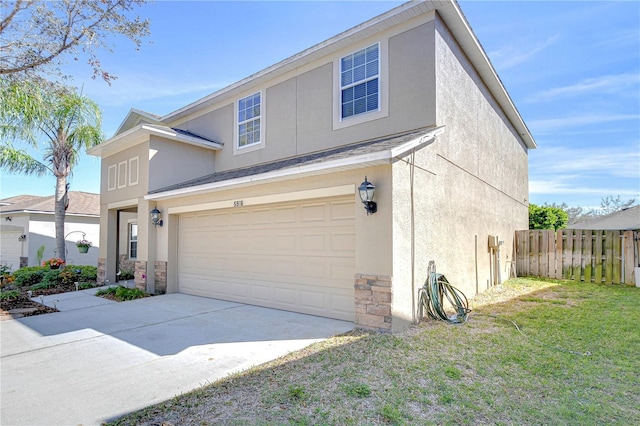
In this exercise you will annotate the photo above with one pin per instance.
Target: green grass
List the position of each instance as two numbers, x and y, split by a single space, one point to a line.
574 361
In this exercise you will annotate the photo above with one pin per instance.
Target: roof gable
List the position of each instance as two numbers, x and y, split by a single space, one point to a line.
80 203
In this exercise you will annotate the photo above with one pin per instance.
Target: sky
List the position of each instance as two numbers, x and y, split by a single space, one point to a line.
572 69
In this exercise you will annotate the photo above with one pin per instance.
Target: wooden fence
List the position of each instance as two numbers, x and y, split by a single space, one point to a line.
578 254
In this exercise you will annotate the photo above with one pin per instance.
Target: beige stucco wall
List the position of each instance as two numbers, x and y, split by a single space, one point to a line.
171 162
298 106
473 182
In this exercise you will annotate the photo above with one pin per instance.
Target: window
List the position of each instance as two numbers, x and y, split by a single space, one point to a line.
249 126
133 240
359 82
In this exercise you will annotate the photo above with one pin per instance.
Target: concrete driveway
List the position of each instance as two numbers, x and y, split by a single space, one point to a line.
98 359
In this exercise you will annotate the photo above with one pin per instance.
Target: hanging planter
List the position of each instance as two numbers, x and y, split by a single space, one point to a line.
83 246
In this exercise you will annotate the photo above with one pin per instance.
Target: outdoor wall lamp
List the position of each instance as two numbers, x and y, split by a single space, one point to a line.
156 217
8 219
367 191
22 237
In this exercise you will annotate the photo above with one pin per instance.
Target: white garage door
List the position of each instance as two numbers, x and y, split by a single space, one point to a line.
293 256
10 249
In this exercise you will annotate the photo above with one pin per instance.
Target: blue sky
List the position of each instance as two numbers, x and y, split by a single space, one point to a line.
571 68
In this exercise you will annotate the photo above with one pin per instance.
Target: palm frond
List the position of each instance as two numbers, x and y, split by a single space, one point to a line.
19 161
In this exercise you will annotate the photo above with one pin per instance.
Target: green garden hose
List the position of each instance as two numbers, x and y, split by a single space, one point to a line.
432 297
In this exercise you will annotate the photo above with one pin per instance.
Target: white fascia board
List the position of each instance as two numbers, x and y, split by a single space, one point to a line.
359 161
140 133
53 213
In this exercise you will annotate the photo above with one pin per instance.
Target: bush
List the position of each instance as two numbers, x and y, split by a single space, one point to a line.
10 296
29 275
121 293
125 274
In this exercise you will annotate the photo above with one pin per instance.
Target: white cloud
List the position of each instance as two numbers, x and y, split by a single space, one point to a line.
621 162
510 56
555 187
132 87
617 83
554 124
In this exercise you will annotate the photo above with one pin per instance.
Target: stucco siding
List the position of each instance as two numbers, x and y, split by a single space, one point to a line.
298 111
171 162
480 182
121 187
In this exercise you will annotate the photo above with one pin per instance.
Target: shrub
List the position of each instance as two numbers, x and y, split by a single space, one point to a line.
121 293
29 275
51 277
10 295
84 286
126 274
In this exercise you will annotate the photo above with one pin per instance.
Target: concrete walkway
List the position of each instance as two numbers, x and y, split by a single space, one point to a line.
97 359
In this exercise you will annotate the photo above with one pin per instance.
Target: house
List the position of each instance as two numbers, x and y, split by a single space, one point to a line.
27 223
251 194
624 220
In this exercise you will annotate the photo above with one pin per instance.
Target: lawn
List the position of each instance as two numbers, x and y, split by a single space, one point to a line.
574 360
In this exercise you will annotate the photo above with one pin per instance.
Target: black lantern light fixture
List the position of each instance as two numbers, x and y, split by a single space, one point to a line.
367 192
156 217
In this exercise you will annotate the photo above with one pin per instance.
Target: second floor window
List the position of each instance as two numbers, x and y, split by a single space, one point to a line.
359 82
249 111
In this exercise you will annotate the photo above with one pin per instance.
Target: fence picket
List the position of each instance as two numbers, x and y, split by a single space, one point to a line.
581 255
577 255
587 254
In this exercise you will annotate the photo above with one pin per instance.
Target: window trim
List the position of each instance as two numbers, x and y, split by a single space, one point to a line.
237 149
383 86
130 238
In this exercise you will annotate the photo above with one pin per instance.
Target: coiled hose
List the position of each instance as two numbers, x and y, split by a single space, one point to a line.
432 296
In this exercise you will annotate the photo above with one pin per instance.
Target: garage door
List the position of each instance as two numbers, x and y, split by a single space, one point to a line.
10 249
295 256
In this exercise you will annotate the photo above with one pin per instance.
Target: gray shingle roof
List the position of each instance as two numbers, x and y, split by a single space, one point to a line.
82 203
627 220
361 148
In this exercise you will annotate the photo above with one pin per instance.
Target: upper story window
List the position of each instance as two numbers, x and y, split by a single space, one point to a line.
359 81
249 120
361 85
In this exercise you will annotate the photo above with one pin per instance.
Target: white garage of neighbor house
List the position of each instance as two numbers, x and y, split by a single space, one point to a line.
251 194
27 223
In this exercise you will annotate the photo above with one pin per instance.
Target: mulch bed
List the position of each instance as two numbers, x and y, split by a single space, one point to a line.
22 306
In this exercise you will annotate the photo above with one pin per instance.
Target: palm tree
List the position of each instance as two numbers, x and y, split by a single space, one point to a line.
60 117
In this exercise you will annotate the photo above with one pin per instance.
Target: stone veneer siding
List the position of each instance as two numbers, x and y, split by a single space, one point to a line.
24 261
161 277
126 264
373 302
140 275
102 270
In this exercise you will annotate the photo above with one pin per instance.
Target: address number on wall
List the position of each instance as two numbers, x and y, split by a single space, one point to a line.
239 203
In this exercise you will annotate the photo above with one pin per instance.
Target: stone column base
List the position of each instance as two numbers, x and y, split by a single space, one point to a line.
24 261
102 271
140 275
161 277
373 302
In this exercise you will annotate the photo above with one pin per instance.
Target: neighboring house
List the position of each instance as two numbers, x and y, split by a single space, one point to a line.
27 223
623 220
257 184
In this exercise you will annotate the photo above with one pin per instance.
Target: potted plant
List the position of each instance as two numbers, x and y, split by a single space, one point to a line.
54 263
83 246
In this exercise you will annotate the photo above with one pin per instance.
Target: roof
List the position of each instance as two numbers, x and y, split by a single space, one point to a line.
363 154
448 10
138 134
624 220
80 203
